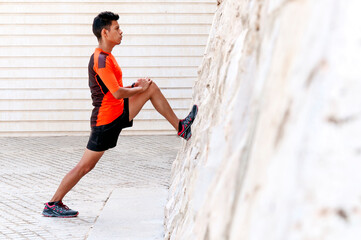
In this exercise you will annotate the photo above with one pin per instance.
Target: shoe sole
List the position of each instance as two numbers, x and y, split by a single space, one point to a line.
61 216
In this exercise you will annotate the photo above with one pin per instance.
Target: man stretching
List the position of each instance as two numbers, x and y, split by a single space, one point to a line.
115 107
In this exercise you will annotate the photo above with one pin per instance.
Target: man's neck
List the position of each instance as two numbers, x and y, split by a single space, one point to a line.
106 47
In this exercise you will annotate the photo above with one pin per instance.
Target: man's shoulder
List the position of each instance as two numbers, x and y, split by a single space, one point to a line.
102 60
99 58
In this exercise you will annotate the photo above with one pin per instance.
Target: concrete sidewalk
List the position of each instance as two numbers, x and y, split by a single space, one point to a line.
132 213
32 168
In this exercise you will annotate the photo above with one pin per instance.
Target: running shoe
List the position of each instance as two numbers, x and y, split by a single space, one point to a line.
186 134
185 124
58 209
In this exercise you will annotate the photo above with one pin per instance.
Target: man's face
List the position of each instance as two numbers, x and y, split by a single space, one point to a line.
114 34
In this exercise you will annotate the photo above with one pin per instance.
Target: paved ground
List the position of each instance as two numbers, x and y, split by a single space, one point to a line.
132 214
31 169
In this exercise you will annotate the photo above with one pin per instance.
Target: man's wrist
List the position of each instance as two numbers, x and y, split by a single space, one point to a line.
133 85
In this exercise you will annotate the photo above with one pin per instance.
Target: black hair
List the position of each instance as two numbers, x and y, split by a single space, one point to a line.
103 20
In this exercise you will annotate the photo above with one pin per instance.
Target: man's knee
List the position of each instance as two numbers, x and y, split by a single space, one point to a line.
154 87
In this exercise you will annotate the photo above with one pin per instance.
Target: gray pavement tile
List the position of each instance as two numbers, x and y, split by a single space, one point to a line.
31 169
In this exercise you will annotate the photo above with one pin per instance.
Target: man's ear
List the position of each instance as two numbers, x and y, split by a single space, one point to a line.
104 32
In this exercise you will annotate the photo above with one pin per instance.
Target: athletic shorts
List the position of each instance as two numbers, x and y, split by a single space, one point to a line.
106 136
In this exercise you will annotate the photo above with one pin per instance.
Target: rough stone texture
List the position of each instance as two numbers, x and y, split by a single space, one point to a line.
276 147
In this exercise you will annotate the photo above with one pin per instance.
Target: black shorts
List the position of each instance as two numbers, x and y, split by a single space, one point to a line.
106 136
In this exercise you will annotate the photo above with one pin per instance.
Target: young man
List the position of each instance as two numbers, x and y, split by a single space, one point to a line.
115 107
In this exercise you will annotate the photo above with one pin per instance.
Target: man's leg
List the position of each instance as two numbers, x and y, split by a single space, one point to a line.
159 102
85 165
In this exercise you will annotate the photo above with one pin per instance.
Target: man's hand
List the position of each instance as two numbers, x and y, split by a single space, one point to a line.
140 86
144 83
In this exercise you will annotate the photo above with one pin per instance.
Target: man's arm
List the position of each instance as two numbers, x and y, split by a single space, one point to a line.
110 81
126 92
140 86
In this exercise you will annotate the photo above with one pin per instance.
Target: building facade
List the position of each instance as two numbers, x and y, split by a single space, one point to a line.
45 48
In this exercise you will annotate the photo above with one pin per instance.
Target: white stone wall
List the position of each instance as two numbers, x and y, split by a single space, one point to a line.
276 147
45 48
